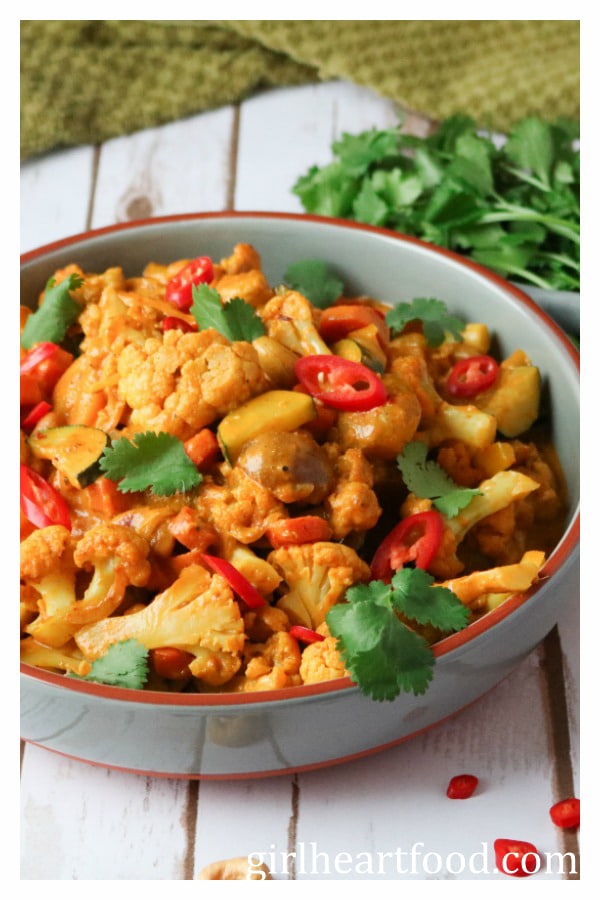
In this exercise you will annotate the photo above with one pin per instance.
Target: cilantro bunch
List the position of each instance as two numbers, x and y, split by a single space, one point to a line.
514 208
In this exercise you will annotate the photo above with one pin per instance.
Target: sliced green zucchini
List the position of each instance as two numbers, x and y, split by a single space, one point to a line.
273 411
74 450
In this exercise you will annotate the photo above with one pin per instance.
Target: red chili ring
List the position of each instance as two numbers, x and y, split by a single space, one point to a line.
340 383
472 376
393 552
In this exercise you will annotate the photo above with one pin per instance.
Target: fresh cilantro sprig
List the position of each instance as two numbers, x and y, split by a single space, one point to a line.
125 664
428 480
432 313
235 320
56 314
382 653
513 208
155 461
312 279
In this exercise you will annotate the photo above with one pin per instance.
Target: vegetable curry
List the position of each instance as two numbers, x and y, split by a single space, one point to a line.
232 486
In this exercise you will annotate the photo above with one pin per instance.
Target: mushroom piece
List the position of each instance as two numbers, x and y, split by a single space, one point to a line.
292 466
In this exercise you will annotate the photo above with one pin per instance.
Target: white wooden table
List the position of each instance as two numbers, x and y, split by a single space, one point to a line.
83 822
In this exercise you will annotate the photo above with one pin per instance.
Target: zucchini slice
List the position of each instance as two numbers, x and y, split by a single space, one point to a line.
74 450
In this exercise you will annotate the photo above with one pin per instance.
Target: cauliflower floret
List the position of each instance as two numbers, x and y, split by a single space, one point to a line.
117 556
251 286
185 381
277 660
65 659
47 567
317 576
291 320
321 660
197 613
473 589
263 622
352 505
50 560
241 508
243 259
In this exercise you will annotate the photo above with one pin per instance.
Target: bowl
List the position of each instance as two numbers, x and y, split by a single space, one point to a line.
261 734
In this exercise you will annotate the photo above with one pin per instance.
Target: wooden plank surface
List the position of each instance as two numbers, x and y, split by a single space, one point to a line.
157 829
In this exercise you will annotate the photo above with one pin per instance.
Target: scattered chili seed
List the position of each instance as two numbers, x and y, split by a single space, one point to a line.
565 813
461 787
517 858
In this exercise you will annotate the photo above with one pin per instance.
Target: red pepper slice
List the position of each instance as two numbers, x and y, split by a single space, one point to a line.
34 415
340 383
40 502
565 813
42 351
307 635
461 787
416 538
242 587
471 376
518 858
179 288
338 321
170 322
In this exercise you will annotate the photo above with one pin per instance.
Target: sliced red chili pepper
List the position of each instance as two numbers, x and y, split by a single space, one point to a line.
338 321
461 787
171 663
415 539
471 376
170 322
179 288
340 383
518 858
242 587
565 813
306 635
40 502
34 415
42 351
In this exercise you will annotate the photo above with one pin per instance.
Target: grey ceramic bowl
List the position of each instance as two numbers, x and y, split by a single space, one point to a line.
258 734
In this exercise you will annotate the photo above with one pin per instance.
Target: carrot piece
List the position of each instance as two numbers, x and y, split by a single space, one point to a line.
303 530
104 498
203 449
170 662
187 528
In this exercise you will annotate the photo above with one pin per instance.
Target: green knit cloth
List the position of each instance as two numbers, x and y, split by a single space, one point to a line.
85 81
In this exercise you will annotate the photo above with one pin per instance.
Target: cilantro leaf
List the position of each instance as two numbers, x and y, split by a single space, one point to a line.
432 313
383 655
312 279
125 664
428 480
530 146
415 596
235 320
155 461
56 314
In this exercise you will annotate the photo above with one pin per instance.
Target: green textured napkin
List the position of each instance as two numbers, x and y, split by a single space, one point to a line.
85 81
